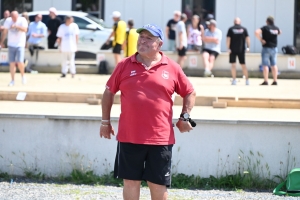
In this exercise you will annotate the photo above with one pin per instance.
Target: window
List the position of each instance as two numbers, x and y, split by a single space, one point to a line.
89 6
18 5
198 7
81 22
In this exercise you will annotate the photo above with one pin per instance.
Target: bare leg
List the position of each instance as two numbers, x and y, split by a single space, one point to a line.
275 72
211 62
266 73
12 69
21 68
117 58
158 192
205 56
180 60
245 71
233 70
131 189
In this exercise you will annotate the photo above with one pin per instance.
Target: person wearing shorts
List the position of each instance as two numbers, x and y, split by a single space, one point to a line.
212 38
267 35
237 37
145 136
15 29
181 40
119 34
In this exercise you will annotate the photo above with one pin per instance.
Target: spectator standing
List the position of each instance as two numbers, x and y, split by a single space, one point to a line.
170 30
15 28
130 45
267 35
237 37
212 38
181 40
147 81
37 30
119 34
6 15
195 31
67 39
53 23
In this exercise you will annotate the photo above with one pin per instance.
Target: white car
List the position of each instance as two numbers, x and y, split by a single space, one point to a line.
93 32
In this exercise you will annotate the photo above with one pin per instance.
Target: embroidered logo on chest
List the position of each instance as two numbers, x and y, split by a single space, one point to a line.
165 74
133 73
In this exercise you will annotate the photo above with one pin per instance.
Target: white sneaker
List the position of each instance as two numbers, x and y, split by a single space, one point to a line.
247 82
12 83
207 73
233 82
24 80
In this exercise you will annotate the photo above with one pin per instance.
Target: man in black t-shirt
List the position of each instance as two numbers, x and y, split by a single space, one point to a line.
237 37
53 24
267 35
170 30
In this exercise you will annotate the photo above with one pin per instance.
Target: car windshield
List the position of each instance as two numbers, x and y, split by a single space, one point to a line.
97 20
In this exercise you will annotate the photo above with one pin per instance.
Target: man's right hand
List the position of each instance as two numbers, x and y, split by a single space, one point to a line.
106 131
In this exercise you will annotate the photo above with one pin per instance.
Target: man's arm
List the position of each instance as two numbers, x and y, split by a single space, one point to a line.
258 35
3 36
248 42
107 101
228 40
167 32
20 28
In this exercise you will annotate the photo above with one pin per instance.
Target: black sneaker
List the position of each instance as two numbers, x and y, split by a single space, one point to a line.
274 83
62 76
264 83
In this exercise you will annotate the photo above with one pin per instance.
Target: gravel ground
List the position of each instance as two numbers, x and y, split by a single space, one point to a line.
48 190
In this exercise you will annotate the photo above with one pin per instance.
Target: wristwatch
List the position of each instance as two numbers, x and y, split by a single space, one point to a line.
185 116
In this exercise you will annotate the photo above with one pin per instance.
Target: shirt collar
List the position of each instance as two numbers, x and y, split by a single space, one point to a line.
163 61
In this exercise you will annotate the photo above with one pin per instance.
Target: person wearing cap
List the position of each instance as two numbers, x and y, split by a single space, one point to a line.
181 39
145 136
170 30
212 38
119 34
130 44
267 35
53 23
237 37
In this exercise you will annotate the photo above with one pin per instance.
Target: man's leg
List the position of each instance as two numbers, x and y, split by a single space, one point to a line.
273 61
72 64
274 72
131 189
266 73
233 70
211 61
205 56
20 58
245 71
158 192
12 70
117 57
64 64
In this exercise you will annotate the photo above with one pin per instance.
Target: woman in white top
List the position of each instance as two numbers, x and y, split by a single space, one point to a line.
195 31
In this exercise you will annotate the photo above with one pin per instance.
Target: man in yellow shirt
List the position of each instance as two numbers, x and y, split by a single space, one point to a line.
119 34
130 45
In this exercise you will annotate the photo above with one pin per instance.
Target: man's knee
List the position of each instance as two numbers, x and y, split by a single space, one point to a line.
131 183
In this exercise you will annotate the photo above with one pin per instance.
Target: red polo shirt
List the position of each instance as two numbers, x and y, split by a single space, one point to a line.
146 102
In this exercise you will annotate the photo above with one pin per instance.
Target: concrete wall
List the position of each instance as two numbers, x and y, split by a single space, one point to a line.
55 145
143 11
58 4
253 14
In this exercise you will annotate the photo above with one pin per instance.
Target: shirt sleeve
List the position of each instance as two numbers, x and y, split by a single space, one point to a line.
183 85
229 33
29 29
113 83
59 32
219 35
246 32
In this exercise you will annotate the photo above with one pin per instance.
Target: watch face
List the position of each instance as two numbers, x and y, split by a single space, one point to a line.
186 115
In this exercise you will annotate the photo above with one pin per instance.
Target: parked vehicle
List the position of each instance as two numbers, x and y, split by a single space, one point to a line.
93 31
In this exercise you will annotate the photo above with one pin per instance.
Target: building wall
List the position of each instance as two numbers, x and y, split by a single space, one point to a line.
143 11
46 4
253 14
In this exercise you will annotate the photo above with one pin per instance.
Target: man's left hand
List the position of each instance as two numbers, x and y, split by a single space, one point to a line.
184 126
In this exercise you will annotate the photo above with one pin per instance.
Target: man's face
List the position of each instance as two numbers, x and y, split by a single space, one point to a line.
176 17
6 14
14 17
147 43
38 18
52 15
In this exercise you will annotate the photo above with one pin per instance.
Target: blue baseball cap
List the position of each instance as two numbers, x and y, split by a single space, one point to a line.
153 29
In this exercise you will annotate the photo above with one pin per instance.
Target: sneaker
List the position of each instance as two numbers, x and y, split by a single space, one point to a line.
233 82
207 73
24 80
34 72
274 83
62 76
247 82
264 83
12 83
73 75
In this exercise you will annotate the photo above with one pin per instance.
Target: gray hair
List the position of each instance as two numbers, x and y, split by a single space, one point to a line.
67 17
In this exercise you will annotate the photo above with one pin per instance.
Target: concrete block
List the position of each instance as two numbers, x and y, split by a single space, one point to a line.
92 101
217 104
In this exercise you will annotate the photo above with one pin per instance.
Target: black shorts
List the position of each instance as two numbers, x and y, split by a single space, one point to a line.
241 57
144 162
211 52
117 49
182 52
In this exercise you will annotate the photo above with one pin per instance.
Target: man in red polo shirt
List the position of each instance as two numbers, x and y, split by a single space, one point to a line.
147 81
